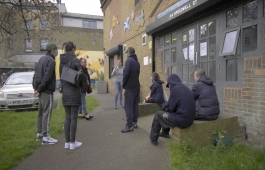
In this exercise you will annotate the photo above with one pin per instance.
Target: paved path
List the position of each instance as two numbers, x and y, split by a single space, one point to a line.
104 146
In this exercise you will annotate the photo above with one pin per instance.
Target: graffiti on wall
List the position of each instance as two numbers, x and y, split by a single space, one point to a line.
126 24
139 20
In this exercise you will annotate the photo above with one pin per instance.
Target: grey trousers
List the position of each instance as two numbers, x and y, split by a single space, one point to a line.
70 123
44 113
161 119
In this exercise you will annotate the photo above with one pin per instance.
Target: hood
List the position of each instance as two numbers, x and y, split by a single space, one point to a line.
64 58
134 56
172 80
205 79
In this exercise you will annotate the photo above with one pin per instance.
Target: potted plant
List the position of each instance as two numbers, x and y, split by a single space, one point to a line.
101 85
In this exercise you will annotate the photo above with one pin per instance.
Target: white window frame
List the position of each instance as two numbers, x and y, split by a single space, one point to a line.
44 25
44 47
29 25
144 39
29 45
124 48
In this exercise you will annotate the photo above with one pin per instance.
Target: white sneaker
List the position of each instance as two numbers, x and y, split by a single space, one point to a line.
67 145
48 140
75 145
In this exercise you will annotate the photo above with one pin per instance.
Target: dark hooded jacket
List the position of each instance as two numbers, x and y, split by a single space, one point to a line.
87 78
131 71
71 93
44 78
156 95
181 103
207 105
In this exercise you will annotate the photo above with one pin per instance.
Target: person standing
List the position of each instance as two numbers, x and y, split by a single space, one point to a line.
3 79
82 107
71 96
206 101
118 74
131 84
44 86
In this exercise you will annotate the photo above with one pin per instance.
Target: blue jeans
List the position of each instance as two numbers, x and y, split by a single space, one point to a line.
118 89
82 107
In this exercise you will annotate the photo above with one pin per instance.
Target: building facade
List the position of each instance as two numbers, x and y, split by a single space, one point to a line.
223 37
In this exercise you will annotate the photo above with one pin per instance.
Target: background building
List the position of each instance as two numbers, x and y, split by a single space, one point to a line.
223 37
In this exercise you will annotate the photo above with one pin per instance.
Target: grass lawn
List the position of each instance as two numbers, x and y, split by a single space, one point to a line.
18 131
237 157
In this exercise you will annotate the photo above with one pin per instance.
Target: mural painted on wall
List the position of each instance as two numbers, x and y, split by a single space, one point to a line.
110 34
132 15
115 21
95 62
139 20
126 24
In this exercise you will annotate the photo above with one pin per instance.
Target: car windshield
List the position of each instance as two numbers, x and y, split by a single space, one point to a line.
19 79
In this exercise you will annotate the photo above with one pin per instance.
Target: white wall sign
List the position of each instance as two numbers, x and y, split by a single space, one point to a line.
146 60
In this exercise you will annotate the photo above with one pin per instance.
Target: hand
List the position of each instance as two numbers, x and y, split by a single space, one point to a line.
36 94
117 69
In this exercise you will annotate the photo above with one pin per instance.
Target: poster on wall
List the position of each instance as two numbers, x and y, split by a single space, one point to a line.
185 53
203 49
191 51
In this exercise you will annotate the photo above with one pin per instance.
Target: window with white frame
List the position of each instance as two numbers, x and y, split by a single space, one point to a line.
144 39
28 45
90 24
43 24
29 25
124 48
43 44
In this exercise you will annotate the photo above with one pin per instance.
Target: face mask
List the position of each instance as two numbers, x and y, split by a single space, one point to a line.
56 53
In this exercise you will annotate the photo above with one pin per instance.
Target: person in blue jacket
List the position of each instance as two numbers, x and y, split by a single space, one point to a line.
156 95
131 84
179 111
206 101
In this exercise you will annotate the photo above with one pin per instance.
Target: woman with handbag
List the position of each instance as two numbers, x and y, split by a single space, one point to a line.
71 94
86 89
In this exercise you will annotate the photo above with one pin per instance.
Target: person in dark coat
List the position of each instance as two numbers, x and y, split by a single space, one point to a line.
71 96
84 90
179 111
206 101
156 95
131 84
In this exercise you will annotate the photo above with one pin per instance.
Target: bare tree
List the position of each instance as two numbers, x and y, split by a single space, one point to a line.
18 16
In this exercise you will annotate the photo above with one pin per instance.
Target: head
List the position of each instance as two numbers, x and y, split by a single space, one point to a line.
69 47
198 74
172 80
83 62
155 76
130 51
119 63
4 74
52 49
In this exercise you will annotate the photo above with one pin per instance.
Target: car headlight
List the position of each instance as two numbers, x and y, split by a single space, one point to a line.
1 94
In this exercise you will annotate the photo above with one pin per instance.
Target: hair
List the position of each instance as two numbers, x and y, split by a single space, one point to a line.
68 47
155 76
199 73
82 60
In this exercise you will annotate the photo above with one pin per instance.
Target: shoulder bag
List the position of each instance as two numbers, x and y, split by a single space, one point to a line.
71 76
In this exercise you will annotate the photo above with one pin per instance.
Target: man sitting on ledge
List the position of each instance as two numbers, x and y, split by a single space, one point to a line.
179 111
206 101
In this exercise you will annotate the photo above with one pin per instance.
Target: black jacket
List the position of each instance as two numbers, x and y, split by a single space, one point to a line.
181 103
207 105
84 69
131 73
156 95
44 78
71 93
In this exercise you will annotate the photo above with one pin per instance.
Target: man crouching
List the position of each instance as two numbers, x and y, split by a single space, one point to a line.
179 111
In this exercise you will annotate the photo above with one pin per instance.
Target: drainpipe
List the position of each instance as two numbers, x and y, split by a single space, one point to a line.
153 53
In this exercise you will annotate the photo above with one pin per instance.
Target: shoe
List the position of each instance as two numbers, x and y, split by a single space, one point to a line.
75 145
67 145
48 140
38 136
80 115
88 118
115 107
154 142
127 129
121 106
163 135
135 125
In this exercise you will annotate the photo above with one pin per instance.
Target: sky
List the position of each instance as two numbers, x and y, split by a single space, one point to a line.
91 7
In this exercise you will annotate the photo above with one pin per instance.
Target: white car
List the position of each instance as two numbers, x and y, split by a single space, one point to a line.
17 92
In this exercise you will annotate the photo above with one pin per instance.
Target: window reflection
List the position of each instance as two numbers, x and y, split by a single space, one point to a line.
250 11
191 35
173 54
212 28
212 47
232 18
212 71
203 31
174 38
250 38
167 59
230 42
167 40
174 70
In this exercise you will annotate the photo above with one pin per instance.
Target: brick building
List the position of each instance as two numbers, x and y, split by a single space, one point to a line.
224 37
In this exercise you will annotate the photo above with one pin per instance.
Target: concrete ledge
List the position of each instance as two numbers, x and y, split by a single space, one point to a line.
200 132
148 109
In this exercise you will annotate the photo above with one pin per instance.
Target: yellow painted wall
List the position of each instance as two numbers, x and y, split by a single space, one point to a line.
95 60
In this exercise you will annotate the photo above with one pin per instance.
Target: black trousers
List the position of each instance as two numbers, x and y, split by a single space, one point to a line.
70 123
131 106
161 119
